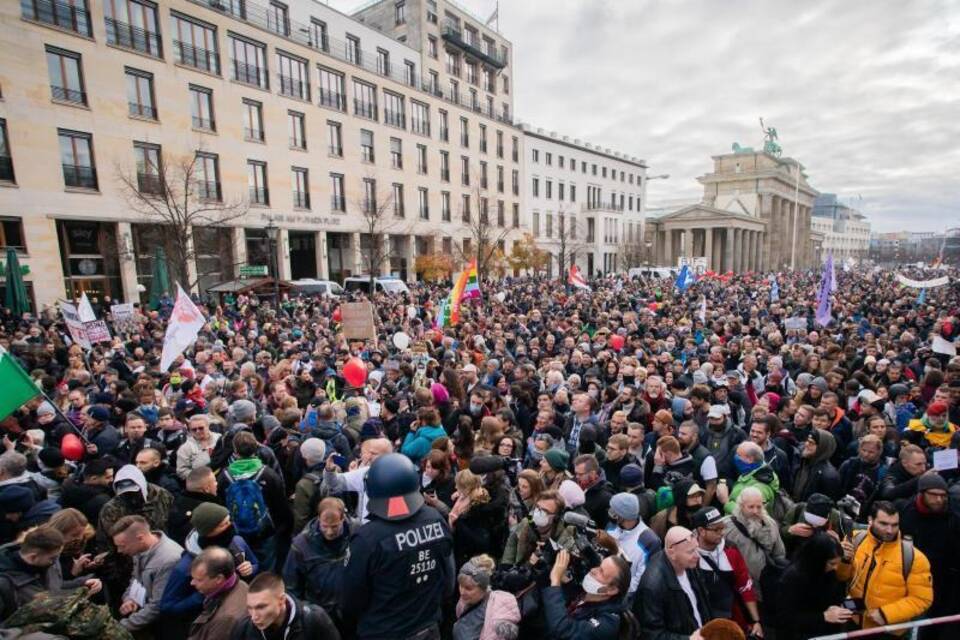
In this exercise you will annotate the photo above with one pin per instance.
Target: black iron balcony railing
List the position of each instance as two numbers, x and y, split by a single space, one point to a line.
250 74
301 199
333 99
337 203
206 124
203 59
123 34
293 87
365 109
259 195
6 169
451 33
394 118
209 190
420 126
149 183
81 176
66 15
142 110
68 95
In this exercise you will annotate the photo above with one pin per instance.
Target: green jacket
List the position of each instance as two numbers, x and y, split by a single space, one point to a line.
523 540
763 478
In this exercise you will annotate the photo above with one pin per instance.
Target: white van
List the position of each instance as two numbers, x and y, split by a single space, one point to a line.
654 273
385 284
311 287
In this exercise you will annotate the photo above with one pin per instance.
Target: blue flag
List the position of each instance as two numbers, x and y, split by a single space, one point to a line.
922 297
684 279
774 289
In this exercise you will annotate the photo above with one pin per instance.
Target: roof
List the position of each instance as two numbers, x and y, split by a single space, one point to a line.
245 285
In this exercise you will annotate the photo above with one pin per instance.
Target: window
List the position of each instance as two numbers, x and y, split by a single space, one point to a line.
434 83
411 71
432 47
383 62
483 138
335 135
399 204
536 155
294 81
147 157
444 127
490 81
364 99
573 193
421 117
366 145
396 153
369 195
445 166
515 182
249 62
465 171
464 132
400 12
471 72
253 120
432 11
66 76
353 49
278 18
604 171
516 215
422 159
560 189
318 35
501 214
516 149
535 223
549 225
11 234
483 174
207 171
465 207
74 15
140 94
257 181
195 43
560 161
332 90
6 158
76 157
298 130
506 84
424 203
453 64
536 187
474 104
549 159
394 110
201 108
337 200
454 91
301 187
132 24
594 169
445 206
549 184
500 145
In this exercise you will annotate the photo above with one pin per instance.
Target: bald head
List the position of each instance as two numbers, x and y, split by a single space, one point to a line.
372 449
681 548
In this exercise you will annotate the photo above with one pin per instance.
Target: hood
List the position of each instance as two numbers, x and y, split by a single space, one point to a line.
326 430
131 472
826 446
766 475
192 543
431 431
245 468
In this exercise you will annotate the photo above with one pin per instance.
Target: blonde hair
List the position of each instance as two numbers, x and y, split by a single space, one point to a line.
469 484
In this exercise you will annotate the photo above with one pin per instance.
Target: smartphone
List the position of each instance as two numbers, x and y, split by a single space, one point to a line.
240 557
853 604
339 460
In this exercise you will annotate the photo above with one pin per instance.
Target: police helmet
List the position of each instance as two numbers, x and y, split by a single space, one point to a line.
393 487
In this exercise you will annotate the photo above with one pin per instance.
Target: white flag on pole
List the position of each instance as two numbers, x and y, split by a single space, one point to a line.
702 312
185 323
85 309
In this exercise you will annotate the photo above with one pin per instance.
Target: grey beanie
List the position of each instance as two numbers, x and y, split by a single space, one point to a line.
243 411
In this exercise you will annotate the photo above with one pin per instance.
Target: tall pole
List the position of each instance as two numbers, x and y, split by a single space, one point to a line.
796 214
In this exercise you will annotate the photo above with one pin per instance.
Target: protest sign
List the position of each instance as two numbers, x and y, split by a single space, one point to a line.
798 323
97 331
124 317
358 321
71 317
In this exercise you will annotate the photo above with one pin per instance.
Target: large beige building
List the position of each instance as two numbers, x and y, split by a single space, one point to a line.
299 115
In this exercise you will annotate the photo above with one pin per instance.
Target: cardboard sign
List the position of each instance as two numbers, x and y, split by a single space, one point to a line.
358 323
800 324
97 331
71 318
124 318
939 345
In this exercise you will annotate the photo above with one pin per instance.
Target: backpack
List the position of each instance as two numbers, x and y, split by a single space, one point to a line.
906 549
248 510
780 505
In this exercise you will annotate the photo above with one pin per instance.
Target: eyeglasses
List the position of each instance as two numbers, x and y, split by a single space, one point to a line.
691 538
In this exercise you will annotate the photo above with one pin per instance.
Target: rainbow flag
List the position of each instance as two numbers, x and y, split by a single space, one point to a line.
472 289
449 312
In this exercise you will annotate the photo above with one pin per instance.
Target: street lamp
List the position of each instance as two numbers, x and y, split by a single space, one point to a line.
273 233
648 245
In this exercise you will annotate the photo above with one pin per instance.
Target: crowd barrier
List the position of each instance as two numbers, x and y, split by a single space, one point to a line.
913 627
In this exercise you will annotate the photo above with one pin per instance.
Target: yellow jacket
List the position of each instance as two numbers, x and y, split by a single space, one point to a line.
934 438
876 575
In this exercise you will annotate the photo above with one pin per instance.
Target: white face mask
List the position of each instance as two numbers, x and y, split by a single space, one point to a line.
541 518
591 585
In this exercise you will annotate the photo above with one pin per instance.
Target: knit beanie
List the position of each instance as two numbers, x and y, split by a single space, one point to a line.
557 459
207 516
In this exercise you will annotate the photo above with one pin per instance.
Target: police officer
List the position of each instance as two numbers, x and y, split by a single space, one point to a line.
401 562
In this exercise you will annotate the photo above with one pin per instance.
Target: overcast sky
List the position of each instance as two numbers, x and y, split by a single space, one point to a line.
866 94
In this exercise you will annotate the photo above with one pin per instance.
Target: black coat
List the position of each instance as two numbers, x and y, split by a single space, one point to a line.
824 479
88 499
898 486
304 622
597 503
938 537
661 606
178 523
804 600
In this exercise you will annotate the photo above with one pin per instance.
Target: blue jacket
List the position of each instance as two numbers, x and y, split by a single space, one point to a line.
589 621
314 567
417 443
179 596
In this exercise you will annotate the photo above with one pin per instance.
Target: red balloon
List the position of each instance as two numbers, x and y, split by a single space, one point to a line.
355 372
72 447
616 341
337 316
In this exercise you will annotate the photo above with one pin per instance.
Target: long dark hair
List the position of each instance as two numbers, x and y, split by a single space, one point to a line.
813 556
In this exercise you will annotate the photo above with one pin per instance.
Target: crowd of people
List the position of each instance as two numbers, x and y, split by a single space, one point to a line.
630 461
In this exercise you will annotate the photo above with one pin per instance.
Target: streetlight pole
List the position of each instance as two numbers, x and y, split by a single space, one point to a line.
273 231
796 215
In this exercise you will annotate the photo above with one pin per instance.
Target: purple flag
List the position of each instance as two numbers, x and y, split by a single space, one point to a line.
827 285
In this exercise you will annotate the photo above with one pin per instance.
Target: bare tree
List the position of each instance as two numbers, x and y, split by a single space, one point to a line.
177 193
571 239
381 214
485 237
631 254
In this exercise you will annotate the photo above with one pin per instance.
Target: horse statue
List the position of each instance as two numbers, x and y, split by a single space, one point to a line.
770 137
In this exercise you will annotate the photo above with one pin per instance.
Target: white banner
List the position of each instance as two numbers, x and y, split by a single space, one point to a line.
97 331
185 323
124 317
922 284
71 317
797 323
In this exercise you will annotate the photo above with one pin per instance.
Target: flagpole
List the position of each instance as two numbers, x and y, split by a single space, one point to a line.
796 214
64 416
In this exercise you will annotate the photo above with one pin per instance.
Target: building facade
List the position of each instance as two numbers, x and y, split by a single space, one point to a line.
845 230
902 247
292 116
584 202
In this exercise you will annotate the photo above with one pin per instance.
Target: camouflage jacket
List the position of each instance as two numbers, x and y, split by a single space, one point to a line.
156 510
71 615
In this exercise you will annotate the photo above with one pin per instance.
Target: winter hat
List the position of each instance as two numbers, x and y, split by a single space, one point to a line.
207 517
820 383
371 429
557 459
804 379
931 480
573 496
46 409
15 498
270 423
937 409
50 458
897 390
313 451
817 510
625 506
99 413
243 411
699 377
631 476
440 393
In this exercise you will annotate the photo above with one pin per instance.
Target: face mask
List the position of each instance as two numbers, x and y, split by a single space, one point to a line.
475 409
628 380
591 585
541 519
132 499
743 466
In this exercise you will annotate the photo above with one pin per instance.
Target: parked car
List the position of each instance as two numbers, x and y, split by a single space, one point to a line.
387 284
311 287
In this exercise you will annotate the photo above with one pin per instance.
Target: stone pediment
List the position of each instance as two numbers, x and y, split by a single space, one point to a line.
706 215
